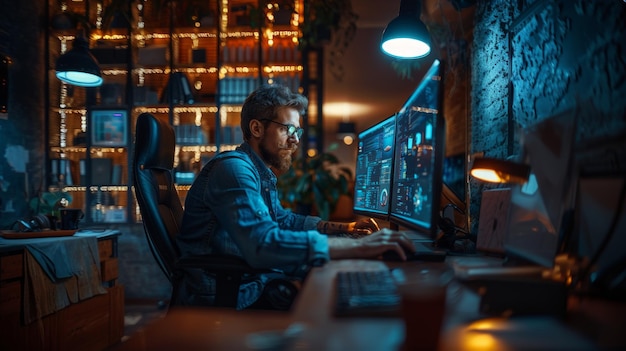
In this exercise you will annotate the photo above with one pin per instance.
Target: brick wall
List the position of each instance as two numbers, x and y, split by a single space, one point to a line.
22 129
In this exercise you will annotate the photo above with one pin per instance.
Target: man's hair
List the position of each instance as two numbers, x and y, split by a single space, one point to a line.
265 101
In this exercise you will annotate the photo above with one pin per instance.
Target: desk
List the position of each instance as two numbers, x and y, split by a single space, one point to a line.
464 328
91 324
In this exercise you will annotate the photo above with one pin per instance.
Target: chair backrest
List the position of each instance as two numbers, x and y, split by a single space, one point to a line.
153 179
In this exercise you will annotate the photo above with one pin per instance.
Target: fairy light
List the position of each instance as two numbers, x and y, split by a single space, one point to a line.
177 150
140 22
224 21
141 78
197 35
83 122
295 17
62 129
68 149
269 34
198 120
176 118
99 15
198 148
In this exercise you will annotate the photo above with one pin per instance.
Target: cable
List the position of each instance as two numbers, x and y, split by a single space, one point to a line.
449 231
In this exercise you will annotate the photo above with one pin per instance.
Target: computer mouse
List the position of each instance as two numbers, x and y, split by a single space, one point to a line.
431 255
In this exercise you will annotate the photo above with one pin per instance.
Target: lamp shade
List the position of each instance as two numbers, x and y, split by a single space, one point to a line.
406 36
499 171
78 66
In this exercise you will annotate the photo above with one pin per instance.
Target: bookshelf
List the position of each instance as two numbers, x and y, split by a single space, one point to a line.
189 62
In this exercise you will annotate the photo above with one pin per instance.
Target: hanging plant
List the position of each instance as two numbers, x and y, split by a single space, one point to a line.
406 68
331 24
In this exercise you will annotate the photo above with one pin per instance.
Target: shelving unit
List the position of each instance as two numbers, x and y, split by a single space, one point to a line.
190 62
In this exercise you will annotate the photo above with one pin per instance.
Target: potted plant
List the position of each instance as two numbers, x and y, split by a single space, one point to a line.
329 23
315 185
49 203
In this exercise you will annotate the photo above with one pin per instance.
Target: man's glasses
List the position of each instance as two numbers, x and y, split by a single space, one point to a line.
290 128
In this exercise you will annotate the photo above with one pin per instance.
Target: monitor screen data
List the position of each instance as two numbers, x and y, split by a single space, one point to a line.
373 169
418 158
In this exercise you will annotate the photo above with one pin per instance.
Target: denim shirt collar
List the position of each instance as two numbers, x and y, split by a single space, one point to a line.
264 171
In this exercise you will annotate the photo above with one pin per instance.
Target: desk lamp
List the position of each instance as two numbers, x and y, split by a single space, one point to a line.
499 171
78 66
406 36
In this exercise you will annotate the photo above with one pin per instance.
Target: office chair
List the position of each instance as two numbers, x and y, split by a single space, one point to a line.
162 213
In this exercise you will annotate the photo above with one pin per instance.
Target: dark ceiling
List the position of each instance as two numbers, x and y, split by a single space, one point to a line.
370 88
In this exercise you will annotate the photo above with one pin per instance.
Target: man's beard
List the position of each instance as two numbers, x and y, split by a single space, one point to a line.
280 161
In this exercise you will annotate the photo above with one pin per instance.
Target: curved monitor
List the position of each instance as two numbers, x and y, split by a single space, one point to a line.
374 163
418 157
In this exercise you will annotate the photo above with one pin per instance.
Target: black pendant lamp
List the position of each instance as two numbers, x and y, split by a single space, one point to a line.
406 36
78 66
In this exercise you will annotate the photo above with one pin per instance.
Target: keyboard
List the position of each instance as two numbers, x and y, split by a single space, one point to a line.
347 235
366 294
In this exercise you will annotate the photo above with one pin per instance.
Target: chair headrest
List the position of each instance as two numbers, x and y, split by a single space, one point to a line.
155 142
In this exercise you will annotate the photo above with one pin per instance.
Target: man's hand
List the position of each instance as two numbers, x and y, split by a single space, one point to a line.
361 227
364 226
371 246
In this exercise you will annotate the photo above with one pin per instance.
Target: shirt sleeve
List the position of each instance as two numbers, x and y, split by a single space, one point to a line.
238 204
289 220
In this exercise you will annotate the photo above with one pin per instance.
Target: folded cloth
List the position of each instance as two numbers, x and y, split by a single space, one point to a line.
58 273
54 259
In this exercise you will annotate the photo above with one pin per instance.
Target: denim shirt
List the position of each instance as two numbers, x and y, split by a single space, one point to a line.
233 208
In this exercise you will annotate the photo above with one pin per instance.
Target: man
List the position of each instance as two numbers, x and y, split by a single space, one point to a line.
233 208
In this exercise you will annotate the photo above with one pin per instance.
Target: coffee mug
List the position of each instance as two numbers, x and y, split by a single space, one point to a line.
70 218
423 298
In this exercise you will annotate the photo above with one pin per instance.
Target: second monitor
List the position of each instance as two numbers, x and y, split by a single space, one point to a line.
418 157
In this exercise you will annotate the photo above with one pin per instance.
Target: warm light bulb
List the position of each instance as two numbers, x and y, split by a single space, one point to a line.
348 139
488 175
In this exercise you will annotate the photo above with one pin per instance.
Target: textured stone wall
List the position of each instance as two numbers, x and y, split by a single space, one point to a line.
534 59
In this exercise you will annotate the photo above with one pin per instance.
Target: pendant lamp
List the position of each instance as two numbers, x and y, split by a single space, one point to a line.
406 36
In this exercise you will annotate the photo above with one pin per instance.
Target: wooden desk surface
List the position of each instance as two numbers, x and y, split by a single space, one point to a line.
464 328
